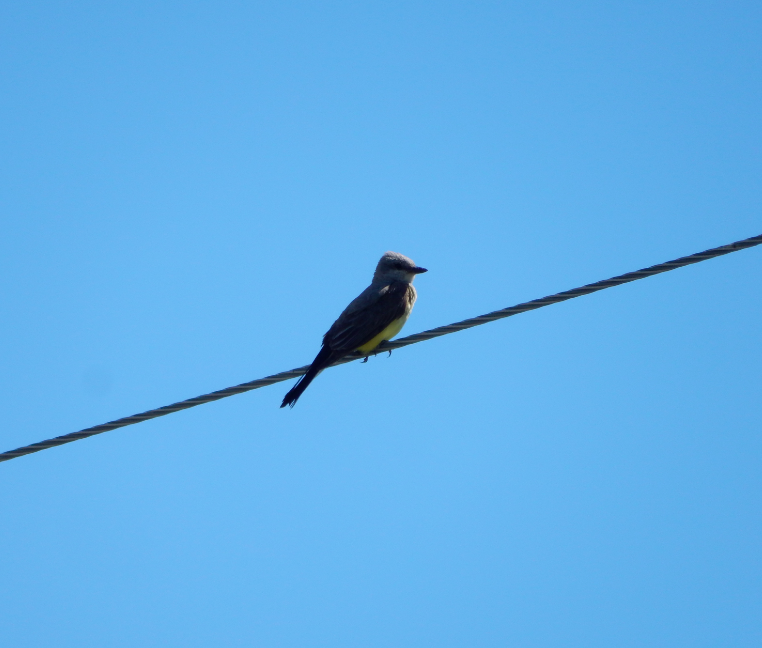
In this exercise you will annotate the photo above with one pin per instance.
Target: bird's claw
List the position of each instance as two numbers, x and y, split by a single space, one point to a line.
375 353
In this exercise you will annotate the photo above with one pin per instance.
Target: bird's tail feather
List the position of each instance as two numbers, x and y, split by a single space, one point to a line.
323 359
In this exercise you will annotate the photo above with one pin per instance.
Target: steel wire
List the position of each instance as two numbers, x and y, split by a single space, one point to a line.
388 346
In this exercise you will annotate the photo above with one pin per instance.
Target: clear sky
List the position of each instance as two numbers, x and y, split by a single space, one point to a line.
191 192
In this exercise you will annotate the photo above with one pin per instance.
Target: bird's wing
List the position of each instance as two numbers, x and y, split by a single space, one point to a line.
368 315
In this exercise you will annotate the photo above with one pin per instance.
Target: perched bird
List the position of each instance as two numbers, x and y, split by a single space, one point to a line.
376 315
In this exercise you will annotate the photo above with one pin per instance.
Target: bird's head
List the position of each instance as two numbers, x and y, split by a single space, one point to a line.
394 266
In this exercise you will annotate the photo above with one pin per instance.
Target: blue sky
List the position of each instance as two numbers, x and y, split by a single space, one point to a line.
191 192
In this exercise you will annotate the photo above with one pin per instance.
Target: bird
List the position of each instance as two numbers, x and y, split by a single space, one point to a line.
377 314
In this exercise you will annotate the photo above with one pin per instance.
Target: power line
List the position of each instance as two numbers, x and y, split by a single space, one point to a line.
388 346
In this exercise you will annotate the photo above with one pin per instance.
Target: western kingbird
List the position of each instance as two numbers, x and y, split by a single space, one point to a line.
376 315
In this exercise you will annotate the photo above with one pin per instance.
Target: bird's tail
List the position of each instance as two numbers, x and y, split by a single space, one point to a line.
323 359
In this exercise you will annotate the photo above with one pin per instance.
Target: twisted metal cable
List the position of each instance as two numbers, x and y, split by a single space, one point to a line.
388 346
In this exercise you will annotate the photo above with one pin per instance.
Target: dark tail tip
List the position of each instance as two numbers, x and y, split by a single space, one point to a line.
318 364
293 395
289 401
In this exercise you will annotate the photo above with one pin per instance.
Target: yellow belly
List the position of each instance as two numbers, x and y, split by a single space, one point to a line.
387 334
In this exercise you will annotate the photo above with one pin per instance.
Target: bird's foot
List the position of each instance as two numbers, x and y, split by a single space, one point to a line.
365 360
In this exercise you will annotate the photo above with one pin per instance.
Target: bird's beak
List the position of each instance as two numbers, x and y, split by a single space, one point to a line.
419 270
